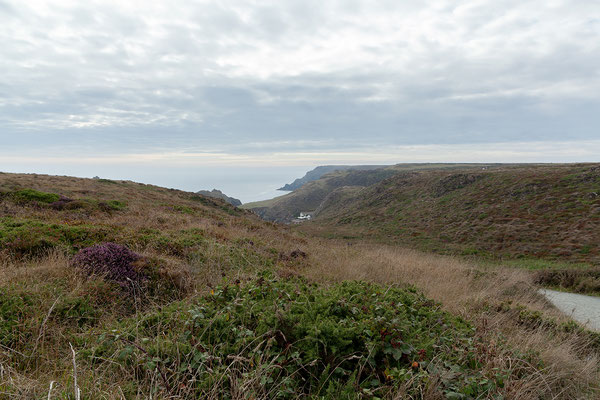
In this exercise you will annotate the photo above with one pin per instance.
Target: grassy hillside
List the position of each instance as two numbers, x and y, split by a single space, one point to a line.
318 172
549 212
184 244
124 290
309 196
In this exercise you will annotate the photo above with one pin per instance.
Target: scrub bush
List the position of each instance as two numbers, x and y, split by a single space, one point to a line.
113 261
31 237
30 195
575 279
112 205
293 339
139 275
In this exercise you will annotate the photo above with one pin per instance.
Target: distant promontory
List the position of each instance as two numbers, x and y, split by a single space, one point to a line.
318 172
217 194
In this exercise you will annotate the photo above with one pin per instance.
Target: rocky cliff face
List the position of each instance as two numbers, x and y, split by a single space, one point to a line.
217 194
318 172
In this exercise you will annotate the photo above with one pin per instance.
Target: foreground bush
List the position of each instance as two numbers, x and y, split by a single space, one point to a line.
138 275
111 260
290 339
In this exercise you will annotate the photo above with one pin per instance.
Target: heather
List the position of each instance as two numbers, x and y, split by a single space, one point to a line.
144 278
110 260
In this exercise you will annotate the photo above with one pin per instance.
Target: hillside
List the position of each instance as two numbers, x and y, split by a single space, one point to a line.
82 258
124 290
550 212
310 195
318 172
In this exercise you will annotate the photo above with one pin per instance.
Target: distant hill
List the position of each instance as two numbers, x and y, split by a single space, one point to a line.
318 172
308 197
217 194
541 211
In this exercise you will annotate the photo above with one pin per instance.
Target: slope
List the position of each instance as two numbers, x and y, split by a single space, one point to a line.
310 195
319 171
124 290
550 212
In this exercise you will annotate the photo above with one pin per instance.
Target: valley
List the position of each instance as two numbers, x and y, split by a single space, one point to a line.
218 303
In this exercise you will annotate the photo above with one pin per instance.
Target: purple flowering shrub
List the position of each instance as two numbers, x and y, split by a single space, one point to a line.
113 261
131 271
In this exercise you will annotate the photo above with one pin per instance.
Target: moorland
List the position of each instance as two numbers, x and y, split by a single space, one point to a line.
115 289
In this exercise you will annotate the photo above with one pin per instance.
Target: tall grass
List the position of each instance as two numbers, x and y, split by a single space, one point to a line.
571 368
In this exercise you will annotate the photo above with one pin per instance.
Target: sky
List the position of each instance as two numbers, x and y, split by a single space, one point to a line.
247 95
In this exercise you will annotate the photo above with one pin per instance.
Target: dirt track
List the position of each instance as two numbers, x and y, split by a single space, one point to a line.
584 309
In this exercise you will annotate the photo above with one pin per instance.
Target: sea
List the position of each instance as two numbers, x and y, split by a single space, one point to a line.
246 183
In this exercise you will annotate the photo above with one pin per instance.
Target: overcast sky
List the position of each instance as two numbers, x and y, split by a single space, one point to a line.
298 82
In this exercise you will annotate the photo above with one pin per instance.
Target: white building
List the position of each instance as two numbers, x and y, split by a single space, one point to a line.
305 216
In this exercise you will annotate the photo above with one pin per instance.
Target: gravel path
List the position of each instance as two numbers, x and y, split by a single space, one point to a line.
584 309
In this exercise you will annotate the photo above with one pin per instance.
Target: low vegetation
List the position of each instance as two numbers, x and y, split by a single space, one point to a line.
580 280
168 294
313 191
274 338
535 212
311 194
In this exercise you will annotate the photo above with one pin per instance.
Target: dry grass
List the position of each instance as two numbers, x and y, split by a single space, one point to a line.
571 370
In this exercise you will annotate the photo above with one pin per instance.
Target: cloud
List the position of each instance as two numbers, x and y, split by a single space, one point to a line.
108 77
518 152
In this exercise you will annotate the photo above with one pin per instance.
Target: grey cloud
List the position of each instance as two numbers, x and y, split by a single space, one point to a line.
6 8
346 73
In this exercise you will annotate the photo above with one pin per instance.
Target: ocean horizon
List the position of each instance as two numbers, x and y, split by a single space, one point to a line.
247 184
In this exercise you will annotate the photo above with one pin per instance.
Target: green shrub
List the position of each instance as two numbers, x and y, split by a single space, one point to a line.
14 312
112 205
24 237
30 195
76 309
284 339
